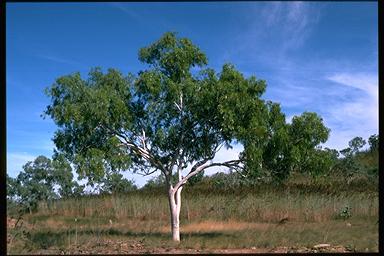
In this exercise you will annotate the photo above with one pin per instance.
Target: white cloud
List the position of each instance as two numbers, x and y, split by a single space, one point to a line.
347 102
357 116
16 160
367 83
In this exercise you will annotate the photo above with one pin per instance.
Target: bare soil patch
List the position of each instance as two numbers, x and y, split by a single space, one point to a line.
219 226
136 247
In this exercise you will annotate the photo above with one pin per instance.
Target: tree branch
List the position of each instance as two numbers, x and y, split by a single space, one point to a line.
201 165
141 151
146 173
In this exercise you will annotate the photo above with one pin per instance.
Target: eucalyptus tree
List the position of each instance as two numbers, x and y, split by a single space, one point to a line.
62 176
277 150
356 144
351 163
38 180
307 132
373 141
35 183
294 146
163 119
12 188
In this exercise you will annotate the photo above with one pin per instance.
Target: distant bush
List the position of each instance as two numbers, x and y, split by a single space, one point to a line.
357 162
116 183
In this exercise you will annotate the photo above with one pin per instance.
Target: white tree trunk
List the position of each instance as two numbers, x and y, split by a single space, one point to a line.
174 198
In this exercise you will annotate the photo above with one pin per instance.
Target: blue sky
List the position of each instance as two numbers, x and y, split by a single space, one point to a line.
315 56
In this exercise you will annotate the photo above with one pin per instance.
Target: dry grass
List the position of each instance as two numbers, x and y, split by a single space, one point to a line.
209 221
218 226
268 207
89 233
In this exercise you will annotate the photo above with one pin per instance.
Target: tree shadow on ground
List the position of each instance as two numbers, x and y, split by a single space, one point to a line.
45 239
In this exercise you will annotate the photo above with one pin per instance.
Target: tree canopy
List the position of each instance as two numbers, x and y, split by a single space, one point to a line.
164 117
38 181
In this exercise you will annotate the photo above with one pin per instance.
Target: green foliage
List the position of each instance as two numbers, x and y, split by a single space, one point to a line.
223 181
360 163
172 56
277 153
156 182
78 190
35 183
115 183
196 179
373 141
307 130
62 175
293 146
320 162
306 133
38 179
165 118
159 182
349 164
176 117
12 188
356 144
84 109
345 213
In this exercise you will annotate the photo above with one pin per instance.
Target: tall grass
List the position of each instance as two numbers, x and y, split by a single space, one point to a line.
212 216
269 205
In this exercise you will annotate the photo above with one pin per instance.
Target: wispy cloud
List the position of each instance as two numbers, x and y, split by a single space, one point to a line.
367 83
127 10
342 91
269 42
294 21
357 116
57 59
293 93
142 17
347 101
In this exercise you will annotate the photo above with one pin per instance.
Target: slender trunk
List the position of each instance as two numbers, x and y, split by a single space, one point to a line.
174 198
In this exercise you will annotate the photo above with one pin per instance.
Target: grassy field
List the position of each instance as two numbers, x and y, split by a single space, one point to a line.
293 217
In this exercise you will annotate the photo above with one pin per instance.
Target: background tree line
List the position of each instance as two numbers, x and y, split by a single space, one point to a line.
47 179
